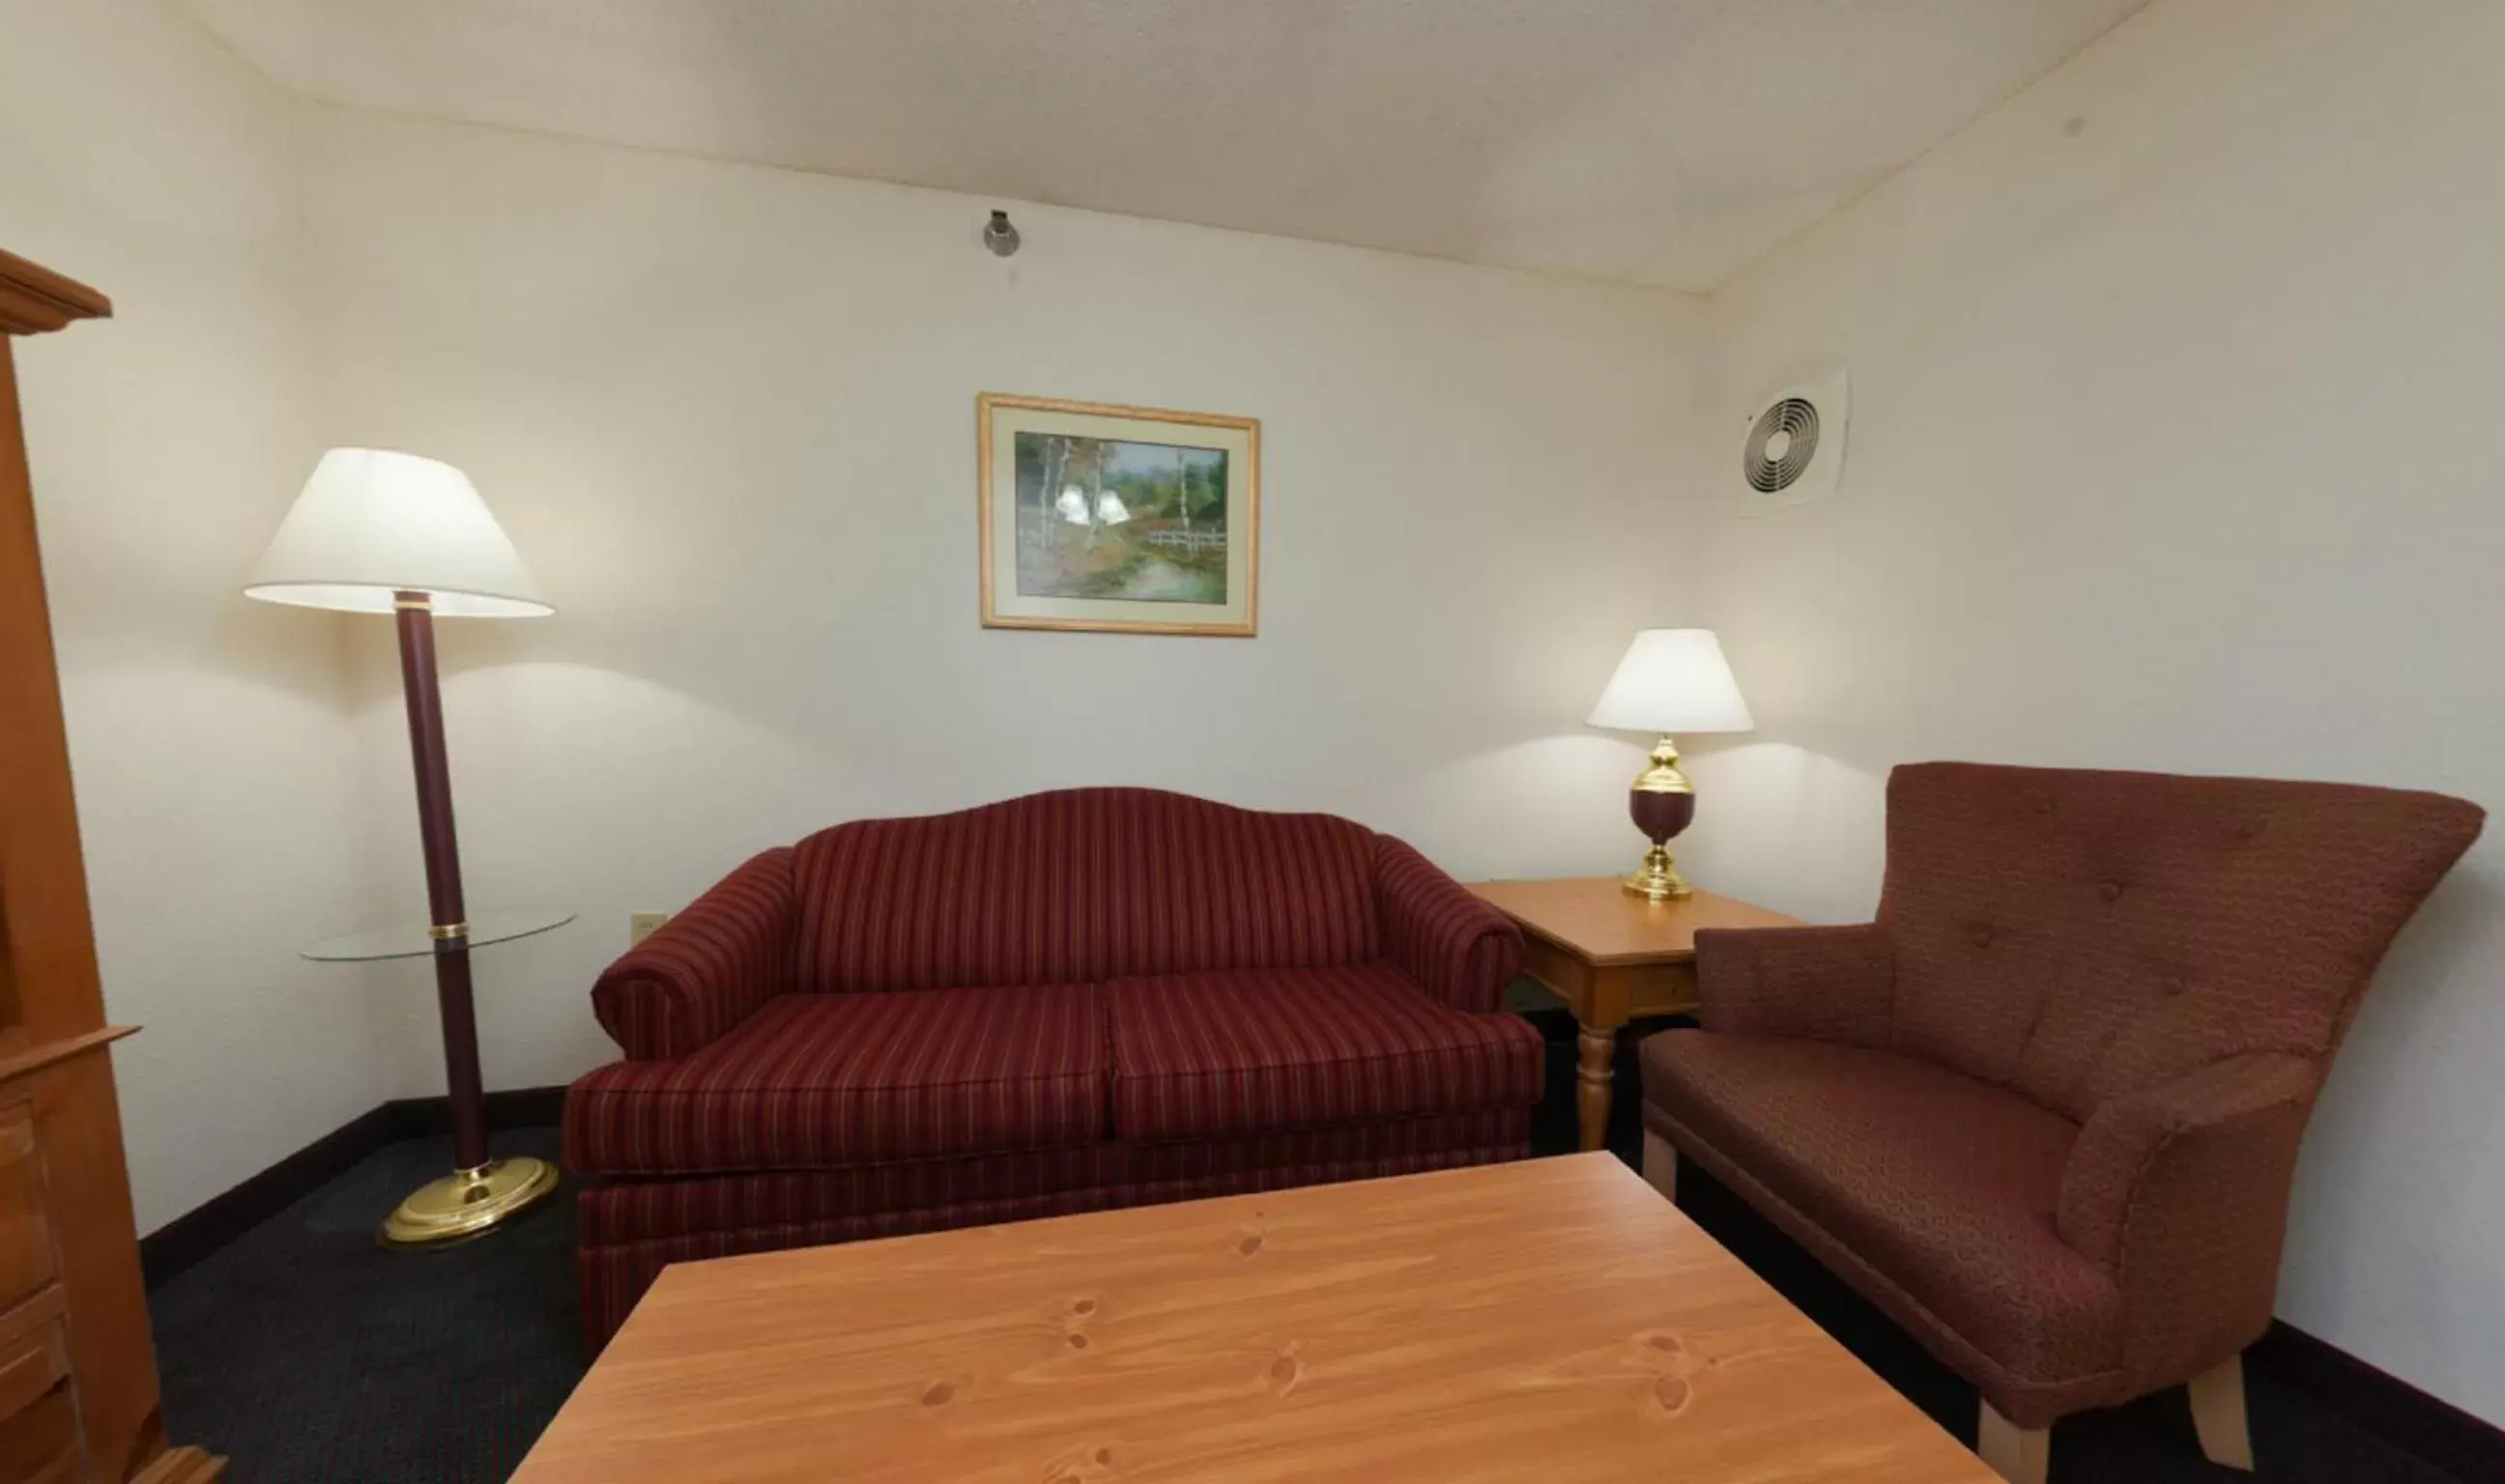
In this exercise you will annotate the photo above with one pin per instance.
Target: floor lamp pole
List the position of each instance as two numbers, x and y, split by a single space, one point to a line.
480 1193
448 919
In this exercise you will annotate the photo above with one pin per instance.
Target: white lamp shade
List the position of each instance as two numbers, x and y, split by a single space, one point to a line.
372 523
1673 680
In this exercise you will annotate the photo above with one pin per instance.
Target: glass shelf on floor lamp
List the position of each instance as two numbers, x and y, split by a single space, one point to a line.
414 941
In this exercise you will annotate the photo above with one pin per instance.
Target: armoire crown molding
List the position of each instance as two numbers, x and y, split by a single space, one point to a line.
34 298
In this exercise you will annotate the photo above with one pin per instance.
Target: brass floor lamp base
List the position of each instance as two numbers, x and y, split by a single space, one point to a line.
468 1203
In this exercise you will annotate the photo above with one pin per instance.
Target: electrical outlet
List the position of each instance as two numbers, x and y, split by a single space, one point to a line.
640 925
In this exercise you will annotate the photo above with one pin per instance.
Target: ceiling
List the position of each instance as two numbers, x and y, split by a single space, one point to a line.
1664 141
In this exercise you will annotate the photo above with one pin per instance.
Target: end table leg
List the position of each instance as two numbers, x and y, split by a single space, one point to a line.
1592 1084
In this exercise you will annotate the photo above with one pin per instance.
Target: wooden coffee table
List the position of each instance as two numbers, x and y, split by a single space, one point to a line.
1551 1320
1611 956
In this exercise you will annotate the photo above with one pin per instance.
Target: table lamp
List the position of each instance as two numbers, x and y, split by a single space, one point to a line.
1669 680
389 533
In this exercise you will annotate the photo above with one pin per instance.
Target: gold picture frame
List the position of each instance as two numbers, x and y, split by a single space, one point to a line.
1156 528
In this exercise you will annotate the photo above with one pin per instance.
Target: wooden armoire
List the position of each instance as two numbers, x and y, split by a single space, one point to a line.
78 1374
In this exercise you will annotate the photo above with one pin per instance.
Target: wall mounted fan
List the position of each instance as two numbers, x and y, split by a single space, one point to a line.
1794 449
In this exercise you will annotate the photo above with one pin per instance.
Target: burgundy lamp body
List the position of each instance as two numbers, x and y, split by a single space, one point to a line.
1660 803
1660 815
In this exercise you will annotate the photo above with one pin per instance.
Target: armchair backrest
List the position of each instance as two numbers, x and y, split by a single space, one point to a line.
2078 936
1080 885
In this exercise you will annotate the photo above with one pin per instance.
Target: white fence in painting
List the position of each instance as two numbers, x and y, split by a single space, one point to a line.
1190 543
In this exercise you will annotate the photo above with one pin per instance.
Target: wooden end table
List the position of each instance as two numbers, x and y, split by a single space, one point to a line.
1611 956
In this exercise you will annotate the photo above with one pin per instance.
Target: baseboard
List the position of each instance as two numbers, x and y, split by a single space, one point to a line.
185 1241
2428 1429
420 1118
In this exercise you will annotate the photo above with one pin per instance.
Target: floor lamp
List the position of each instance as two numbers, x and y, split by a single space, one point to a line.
388 532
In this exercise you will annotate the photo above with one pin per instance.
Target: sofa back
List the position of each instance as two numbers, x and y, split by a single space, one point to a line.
1080 885
2079 936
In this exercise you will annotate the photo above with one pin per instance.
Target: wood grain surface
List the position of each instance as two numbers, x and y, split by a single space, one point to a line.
1598 921
1552 1320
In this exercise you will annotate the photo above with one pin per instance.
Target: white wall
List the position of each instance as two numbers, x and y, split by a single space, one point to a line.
217 764
2175 445
728 413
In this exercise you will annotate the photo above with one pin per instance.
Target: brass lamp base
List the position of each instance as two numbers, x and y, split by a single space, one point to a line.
1661 802
1658 880
468 1203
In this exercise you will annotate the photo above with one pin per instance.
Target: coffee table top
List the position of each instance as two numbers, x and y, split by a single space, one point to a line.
1599 921
1553 1319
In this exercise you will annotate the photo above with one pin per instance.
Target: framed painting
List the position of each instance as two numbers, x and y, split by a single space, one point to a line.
1125 520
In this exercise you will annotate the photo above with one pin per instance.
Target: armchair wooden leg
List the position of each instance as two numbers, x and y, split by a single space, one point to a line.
2020 1454
1660 1165
2218 1414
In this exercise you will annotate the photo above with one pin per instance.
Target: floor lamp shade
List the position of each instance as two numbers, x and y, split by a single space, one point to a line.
373 524
385 532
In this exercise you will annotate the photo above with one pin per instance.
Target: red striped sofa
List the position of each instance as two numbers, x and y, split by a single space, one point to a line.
1067 1002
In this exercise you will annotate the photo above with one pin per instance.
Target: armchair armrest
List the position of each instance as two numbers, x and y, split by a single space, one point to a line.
1818 984
705 970
2132 1150
2180 1192
1440 934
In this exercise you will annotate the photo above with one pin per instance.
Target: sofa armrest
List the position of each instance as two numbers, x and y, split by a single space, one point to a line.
2180 1192
1440 933
1817 983
705 970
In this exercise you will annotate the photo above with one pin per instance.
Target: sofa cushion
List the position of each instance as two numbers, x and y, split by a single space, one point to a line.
1255 1050
1077 886
1943 1185
816 1082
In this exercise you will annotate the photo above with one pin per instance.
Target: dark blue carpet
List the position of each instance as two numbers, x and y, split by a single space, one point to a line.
310 1356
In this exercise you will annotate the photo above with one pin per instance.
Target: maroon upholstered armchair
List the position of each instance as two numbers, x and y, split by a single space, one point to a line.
1076 1000
2045 1110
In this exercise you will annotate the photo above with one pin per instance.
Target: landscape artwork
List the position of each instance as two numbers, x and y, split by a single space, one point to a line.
1118 519
1107 518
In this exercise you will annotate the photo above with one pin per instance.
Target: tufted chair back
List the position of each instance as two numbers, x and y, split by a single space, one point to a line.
2079 936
